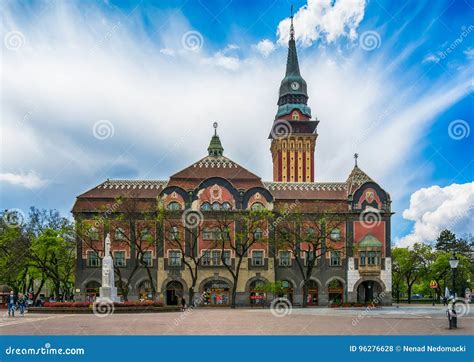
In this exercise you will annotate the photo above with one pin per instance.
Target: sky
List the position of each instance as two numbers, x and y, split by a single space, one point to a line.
130 90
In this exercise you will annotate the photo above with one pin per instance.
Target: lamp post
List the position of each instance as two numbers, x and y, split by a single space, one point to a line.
453 263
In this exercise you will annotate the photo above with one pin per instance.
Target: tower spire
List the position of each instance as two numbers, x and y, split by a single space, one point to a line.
215 148
292 29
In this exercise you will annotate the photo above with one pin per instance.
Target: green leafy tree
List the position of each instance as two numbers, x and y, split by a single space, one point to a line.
411 264
183 236
307 238
249 229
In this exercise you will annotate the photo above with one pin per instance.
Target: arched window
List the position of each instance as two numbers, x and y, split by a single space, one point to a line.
216 206
258 234
206 206
336 234
226 206
93 233
309 232
145 234
120 234
295 116
173 206
257 206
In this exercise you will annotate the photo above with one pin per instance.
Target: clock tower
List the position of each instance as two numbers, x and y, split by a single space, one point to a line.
293 132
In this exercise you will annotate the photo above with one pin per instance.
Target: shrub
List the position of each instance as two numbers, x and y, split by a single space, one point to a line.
146 303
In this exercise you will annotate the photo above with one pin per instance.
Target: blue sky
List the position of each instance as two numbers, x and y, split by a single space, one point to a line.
387 79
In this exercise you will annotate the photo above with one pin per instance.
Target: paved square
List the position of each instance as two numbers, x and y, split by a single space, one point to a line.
206 321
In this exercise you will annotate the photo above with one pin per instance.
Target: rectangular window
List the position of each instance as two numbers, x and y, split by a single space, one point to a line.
215 257
145 234
335 258
120 234
174 233
362 258
372 258
285 258
227 257
207 234
94 234
93 259
119 258
206 258
174 258
148 258
257 258
309 255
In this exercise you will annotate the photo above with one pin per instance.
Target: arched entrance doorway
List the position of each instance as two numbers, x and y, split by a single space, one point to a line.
257 293
286 290
216 293
369 291
92 290
336 291
312 298
145 291
174 291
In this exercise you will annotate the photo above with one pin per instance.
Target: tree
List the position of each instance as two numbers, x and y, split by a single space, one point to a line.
125 212
411 264
53 253
182 232
397 272
448 242
14 262
309 235
248 227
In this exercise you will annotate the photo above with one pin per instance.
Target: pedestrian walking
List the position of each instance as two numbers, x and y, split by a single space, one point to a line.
183 304
11 304
21 304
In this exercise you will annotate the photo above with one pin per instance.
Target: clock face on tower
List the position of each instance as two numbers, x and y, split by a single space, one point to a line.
295 85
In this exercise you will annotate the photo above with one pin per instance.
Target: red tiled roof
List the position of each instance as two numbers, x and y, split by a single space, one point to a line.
211 166
307 190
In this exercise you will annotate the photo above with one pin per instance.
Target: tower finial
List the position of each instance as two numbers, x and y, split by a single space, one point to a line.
356 156
292 29
215 148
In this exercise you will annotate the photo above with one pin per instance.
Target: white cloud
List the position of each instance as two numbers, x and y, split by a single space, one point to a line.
324 19
435 208
162 108
29 180
431 58
265 47
469 53
224 61
167 51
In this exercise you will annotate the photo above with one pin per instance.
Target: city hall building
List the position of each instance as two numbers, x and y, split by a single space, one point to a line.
360 271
